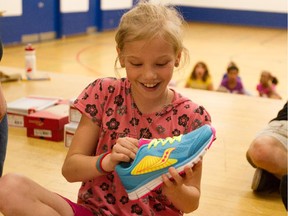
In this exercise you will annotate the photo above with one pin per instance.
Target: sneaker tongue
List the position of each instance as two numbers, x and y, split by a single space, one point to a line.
143 141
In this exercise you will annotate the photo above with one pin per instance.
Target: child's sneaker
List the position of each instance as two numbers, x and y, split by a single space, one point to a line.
155 157
264 181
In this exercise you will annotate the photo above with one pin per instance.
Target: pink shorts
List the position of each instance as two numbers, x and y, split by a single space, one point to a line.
78 210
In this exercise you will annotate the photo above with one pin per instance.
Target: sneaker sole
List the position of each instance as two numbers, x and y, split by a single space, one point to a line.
157 182
256 179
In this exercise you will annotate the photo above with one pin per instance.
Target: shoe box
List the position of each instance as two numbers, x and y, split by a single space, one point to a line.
74 113
70 128
69 131
48 123
17 109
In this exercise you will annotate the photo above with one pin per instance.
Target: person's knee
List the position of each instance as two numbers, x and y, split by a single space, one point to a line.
11 185
259 150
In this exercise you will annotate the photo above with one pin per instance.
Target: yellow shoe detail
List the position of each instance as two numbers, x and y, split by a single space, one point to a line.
153 163
155 142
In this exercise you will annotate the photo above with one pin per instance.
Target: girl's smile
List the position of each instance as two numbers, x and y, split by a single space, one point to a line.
149 67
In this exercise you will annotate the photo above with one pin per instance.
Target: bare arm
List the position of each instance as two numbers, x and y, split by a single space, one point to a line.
272 91
210 87
80 164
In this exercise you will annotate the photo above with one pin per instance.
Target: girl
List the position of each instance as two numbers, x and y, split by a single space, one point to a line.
231 83
267 86
200 78
116 113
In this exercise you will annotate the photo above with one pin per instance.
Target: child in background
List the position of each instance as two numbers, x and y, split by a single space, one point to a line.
267 86
268 154
231 63
116 113
200 78
231 83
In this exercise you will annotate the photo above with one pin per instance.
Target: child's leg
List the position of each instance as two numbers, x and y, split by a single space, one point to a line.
21 196
268 150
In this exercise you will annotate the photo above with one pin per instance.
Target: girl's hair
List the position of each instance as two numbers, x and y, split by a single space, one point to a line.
273 79
206 73
149 20
232 67
231 63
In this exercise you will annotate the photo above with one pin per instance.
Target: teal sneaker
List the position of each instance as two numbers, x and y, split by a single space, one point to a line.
155 156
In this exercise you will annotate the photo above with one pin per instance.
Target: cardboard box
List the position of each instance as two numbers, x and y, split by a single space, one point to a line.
16 110
53 135
15 120
69 131
30 104
49 123
74 114
52 118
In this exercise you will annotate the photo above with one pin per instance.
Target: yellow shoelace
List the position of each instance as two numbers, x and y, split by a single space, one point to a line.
155 142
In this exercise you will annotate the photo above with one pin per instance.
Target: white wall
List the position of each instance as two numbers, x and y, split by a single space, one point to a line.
14 7
11 7
116 4
72 6
277 6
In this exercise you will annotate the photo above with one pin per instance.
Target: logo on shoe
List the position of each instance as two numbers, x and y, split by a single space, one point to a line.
153 163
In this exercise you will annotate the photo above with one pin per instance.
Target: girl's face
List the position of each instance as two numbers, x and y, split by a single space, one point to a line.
265 77
149 66
232 74
199 71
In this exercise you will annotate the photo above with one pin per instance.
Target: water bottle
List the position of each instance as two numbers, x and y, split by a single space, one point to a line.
30 61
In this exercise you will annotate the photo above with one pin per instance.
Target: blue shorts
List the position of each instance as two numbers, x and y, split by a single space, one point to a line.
78 210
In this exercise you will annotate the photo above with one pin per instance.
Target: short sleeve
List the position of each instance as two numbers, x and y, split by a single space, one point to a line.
93 98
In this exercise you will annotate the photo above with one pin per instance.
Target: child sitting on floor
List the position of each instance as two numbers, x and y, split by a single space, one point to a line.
267 86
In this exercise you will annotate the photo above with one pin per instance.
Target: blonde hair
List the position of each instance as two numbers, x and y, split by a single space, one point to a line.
149 20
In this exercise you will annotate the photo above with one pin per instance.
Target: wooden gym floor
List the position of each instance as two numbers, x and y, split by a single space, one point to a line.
73 62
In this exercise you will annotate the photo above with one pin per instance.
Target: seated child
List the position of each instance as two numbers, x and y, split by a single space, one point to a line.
232 83
267 86
200 77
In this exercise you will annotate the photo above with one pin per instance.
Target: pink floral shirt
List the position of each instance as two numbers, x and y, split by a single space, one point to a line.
108 102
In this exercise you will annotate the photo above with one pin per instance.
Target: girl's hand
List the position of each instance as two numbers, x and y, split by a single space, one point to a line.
124 150
177 181
183 190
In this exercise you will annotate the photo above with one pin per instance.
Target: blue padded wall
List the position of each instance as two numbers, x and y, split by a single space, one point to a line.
77 23
235 17
34 20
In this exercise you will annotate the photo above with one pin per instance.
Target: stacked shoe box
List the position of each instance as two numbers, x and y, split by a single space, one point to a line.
48 123
70 128
18 109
